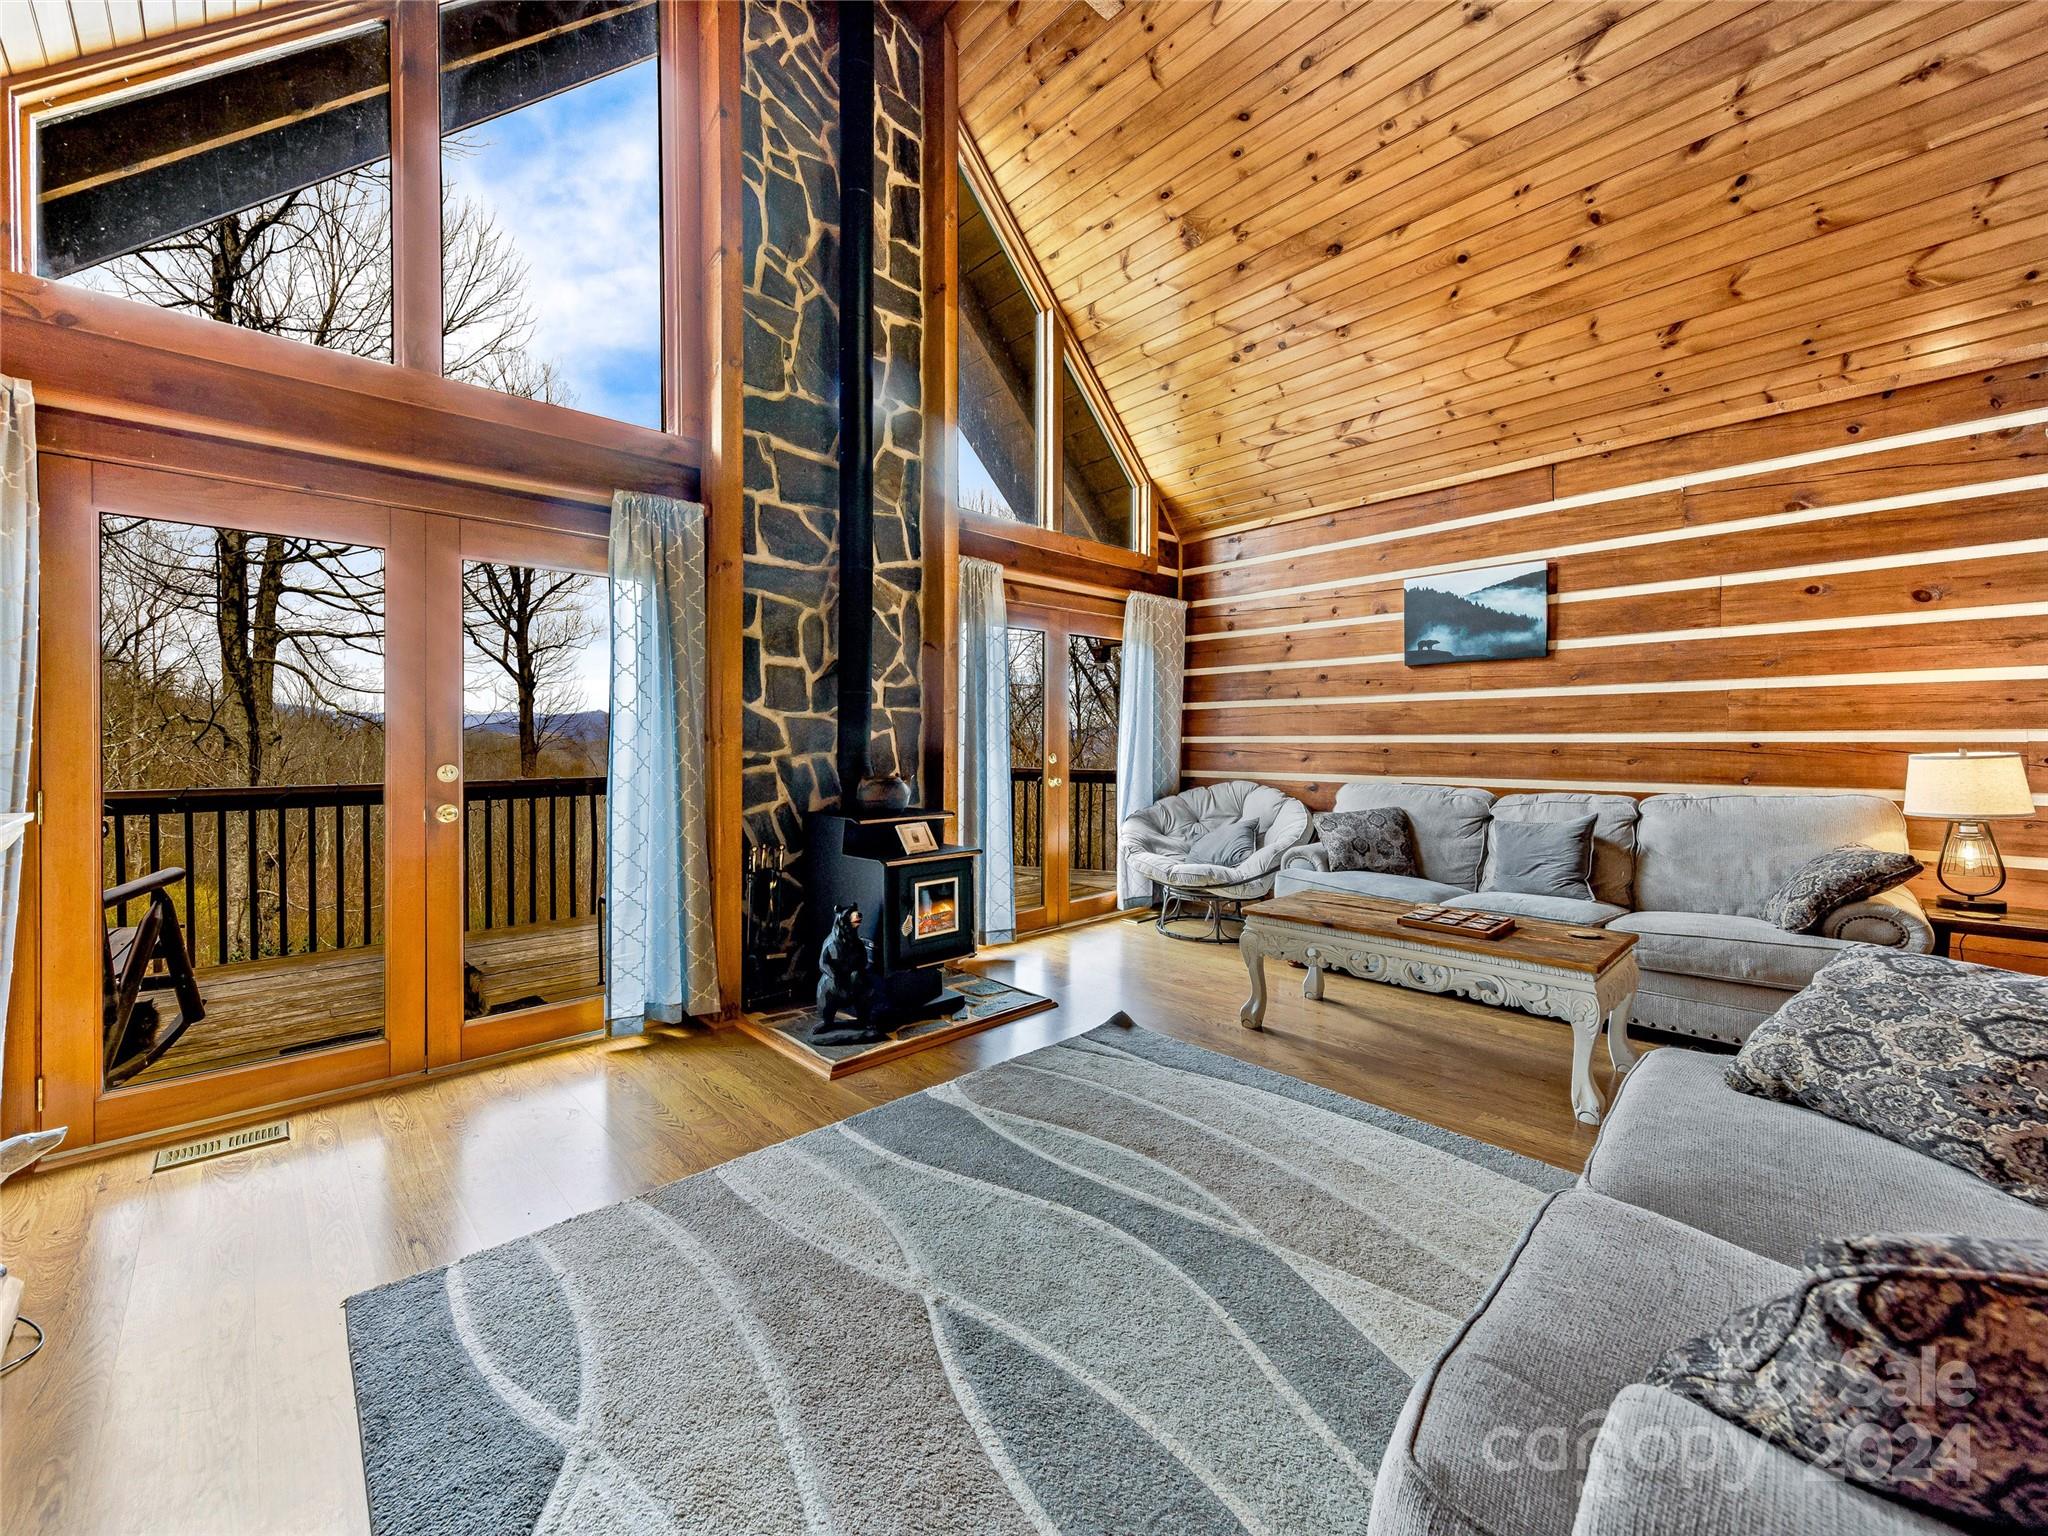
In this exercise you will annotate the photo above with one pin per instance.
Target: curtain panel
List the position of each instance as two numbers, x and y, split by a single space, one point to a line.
19 514
661 958
1148 718
985 745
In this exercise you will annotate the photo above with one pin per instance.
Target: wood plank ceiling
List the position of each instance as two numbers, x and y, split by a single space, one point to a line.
1326 253
34 33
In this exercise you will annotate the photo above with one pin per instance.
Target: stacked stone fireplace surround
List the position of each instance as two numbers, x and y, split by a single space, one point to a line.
790 207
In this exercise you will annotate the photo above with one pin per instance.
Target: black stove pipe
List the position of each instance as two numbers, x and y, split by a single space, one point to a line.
856 398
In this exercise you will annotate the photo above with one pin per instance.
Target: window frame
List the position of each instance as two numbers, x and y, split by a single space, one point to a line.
1054 349
415 43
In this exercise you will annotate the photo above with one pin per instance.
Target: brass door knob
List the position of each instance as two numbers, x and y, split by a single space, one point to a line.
447 813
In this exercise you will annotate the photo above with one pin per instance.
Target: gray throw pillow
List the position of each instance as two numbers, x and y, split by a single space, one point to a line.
1379 841
1228 845
1834 879
1948 1058
1542 858
1910 1366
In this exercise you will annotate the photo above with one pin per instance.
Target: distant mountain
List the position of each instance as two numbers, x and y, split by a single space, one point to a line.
586 725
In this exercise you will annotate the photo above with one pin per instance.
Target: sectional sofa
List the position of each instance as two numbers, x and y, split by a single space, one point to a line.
1688 874
1697 1201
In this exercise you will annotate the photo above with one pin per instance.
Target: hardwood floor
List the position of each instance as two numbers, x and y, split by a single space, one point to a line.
196 1379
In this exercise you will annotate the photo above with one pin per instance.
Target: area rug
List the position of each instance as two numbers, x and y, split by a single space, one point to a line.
989 1002
1120 1284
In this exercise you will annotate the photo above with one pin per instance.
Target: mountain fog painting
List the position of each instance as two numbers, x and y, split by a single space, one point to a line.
1491 614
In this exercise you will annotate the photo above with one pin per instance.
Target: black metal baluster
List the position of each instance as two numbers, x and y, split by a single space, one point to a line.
189 859
120 824
532 854
220 885
572 854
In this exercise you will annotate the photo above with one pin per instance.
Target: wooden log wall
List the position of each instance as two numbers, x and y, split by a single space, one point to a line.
1718 617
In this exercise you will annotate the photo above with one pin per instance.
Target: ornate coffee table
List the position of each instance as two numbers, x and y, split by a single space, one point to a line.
1585 976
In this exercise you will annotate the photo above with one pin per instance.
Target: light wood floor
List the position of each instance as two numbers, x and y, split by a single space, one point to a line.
196 1379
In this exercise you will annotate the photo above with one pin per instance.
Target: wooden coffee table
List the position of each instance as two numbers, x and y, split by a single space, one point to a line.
1585 976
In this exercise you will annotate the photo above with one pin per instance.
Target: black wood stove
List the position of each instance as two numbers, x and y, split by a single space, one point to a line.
916 907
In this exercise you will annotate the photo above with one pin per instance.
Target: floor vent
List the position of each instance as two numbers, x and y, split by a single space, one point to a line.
222 1145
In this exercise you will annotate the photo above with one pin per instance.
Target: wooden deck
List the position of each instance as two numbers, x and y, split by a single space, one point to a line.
264 1009
1030 884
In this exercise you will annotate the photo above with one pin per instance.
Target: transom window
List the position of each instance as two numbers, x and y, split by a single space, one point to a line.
260 192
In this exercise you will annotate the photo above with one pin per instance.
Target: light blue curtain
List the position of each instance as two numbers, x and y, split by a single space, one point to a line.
1148 718
662 962
985 745
19 513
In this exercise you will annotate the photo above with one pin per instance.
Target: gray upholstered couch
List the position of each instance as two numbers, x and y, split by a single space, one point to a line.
1687 874
1697 1200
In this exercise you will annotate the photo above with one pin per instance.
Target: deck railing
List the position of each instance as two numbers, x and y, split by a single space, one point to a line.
296 869
1091 817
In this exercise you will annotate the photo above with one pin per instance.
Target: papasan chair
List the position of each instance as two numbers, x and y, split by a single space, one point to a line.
1208 851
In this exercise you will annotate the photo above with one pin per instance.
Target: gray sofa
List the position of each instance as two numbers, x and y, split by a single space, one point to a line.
1687 874
1697 1200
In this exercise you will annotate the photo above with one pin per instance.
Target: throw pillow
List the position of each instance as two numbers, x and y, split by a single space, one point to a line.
1227 846
1947 1058
1910 1366
1541 858
1834 879
1379 840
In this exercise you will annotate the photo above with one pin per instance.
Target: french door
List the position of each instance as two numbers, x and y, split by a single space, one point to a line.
323 793
1066 664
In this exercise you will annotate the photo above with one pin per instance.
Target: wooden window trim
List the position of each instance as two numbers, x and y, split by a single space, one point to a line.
416 201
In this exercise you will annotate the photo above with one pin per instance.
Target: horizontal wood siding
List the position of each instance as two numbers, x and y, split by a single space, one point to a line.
1718 617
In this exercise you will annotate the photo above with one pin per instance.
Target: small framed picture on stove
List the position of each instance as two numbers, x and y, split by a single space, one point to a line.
916 837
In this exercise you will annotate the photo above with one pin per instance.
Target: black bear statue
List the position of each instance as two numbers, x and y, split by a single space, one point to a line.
846 984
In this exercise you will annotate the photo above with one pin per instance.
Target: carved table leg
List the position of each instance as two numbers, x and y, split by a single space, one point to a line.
1619 1050
1586 1023
1253 1014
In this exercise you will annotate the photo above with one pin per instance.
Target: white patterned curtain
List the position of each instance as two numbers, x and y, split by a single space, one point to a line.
19 513
661 958
985 745
1148 718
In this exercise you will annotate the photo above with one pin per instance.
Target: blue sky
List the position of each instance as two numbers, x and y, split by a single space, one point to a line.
575 182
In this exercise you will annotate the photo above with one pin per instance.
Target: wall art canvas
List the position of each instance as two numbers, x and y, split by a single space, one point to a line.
1491 614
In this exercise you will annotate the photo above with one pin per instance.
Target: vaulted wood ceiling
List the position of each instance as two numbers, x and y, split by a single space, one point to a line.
56 31
1325 253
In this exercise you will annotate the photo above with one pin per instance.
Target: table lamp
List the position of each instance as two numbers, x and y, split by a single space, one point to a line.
1969 791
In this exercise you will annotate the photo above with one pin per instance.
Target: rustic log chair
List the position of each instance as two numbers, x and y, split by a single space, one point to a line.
136 1032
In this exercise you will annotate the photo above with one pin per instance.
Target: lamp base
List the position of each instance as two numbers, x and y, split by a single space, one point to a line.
1984 906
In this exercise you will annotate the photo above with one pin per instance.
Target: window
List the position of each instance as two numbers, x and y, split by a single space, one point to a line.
998 373
267 191
258 195
1030 447
1097 498
551 203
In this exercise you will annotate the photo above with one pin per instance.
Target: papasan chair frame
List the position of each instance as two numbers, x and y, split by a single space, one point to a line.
1153 845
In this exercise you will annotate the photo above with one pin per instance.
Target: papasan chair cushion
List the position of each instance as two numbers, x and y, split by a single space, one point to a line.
1152 846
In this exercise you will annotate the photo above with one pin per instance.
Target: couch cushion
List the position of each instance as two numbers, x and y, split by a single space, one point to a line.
1838 1369
1494 1438
1449 823
1773 1177
1540 858
1555 909
1830 881
1227 844
1614 834
1704 1007
1727 853
1361 882
1727 948
1931 1053
1377 840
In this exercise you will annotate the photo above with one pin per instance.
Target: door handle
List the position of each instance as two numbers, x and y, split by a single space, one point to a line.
1053 783
447 813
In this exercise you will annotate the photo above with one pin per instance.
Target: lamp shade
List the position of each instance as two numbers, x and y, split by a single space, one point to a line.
1967 786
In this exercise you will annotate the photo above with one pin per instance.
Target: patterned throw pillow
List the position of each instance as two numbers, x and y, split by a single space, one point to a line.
1379 840
1911 1366
1834 879
1947 1058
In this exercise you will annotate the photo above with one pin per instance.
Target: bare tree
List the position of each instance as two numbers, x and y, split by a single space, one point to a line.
530 629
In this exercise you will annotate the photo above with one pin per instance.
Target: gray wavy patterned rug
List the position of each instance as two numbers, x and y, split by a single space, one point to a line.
1120 1284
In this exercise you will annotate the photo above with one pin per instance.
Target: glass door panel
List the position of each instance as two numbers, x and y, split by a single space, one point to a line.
536 663
242 759
1028 649
1094 682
